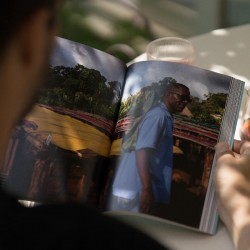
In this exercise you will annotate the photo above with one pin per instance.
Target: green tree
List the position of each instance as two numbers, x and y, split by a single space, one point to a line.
81 88
214 103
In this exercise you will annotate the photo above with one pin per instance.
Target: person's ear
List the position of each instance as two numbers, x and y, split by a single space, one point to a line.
35 38
23 67
167 96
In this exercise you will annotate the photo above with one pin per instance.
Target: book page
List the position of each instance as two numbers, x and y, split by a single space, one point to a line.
58 152
170 134
242 129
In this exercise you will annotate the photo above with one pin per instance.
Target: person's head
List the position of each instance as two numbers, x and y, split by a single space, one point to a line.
176 97
14 15
26 37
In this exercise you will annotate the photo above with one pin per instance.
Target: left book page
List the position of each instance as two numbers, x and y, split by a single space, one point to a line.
57 153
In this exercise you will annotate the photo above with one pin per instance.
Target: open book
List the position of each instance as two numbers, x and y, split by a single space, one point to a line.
138 139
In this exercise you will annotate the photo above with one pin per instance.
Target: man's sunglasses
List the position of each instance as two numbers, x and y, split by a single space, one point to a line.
183 98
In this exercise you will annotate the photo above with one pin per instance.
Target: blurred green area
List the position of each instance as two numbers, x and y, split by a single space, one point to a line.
100 25
123 28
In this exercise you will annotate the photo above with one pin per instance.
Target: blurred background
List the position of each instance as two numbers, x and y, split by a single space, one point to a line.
123 28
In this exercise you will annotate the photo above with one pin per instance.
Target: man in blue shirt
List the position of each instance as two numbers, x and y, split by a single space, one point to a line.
144 174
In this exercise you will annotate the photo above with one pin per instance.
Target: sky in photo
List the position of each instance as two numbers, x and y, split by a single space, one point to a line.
69 53
199 81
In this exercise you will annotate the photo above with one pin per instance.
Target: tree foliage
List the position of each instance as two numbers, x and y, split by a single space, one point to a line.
81 88
147 97
208 110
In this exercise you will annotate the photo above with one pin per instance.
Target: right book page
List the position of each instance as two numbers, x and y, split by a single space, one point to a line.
162 158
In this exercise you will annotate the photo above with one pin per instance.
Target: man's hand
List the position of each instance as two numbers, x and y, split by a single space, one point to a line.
143 165
232 181
146 199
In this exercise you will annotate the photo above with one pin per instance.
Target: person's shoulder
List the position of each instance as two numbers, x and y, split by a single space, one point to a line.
157 116
159 110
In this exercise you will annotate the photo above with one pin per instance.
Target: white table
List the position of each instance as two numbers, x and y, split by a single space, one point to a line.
178 238
225 51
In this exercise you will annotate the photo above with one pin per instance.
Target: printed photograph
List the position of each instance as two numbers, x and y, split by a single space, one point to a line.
168 125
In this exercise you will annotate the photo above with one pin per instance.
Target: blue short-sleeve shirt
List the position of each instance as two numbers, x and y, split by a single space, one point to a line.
156 133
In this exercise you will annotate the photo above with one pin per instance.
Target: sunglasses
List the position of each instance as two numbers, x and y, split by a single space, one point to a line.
183 98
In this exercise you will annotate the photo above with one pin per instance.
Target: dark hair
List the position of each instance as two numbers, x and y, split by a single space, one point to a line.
173 86
14 13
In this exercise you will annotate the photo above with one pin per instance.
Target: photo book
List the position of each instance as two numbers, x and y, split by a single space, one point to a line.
137 139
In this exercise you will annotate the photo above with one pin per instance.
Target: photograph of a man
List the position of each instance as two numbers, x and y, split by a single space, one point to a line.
144 174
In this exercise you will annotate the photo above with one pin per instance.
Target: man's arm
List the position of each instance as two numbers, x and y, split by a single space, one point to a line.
143 166
232 181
